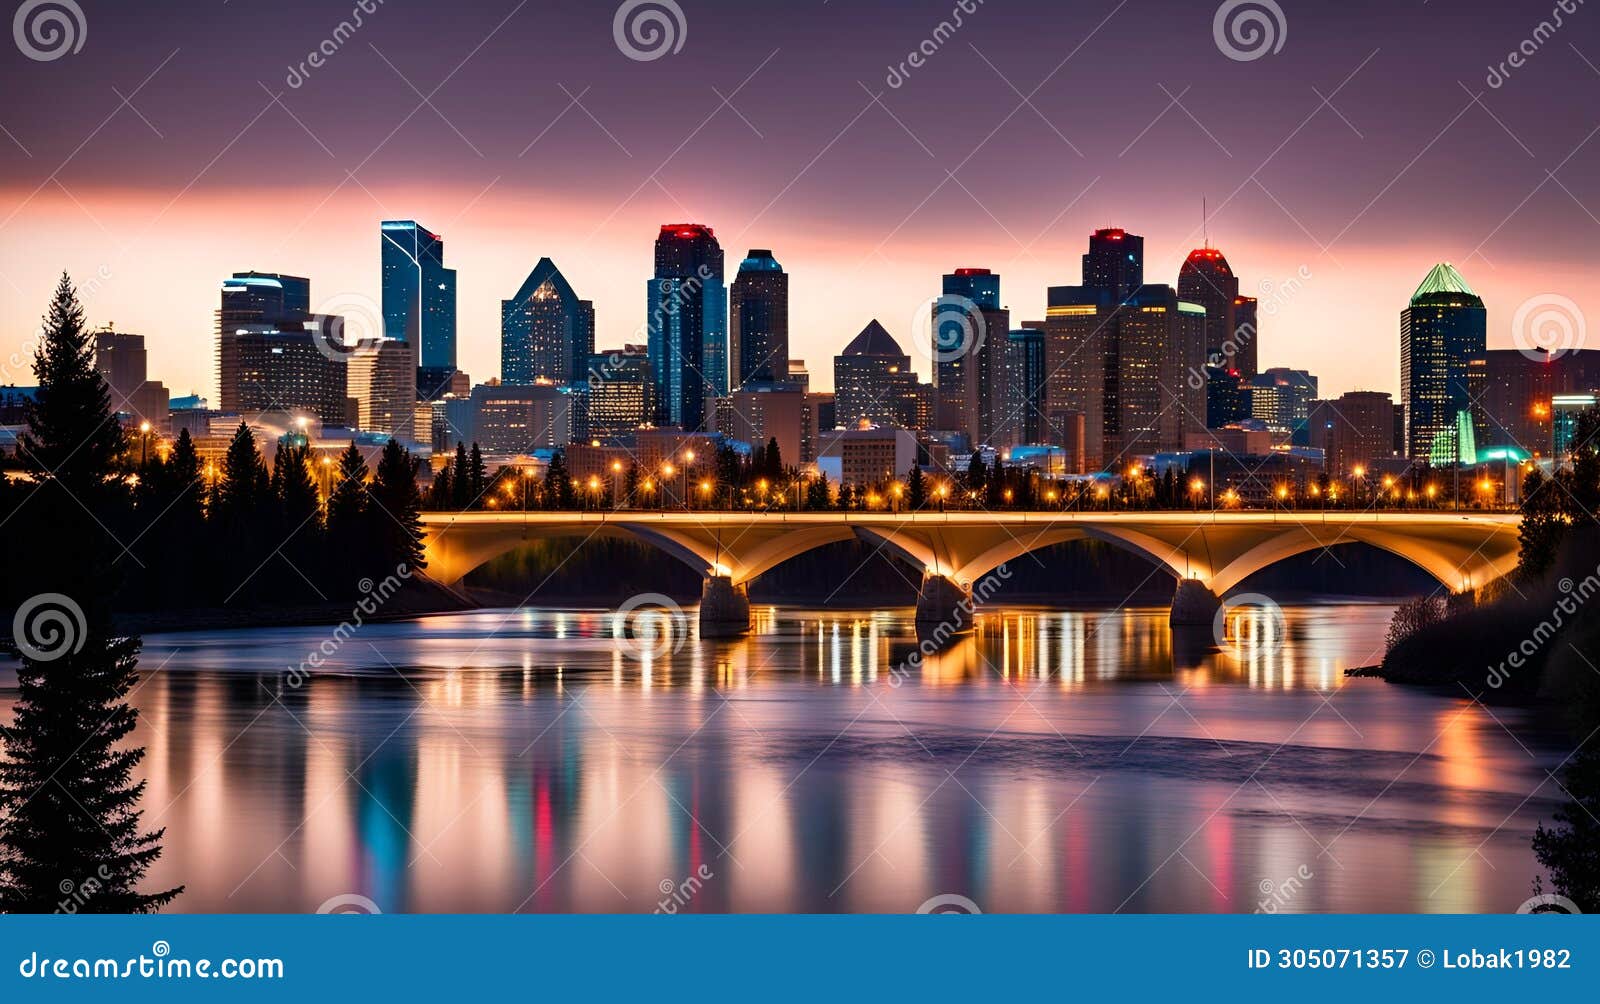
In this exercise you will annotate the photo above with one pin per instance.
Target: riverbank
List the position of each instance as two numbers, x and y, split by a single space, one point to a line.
419 597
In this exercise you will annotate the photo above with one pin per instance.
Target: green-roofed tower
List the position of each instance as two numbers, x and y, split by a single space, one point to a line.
1442 330
1445 281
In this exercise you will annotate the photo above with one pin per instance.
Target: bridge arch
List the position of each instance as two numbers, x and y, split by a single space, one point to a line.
1457 567
1160 554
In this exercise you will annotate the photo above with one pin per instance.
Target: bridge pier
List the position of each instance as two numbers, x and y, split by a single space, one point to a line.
1194 605
724 608
944 606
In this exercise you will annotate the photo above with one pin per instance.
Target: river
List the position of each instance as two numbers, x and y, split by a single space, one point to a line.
529 760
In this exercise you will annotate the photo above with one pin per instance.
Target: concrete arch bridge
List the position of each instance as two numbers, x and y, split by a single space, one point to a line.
1209 553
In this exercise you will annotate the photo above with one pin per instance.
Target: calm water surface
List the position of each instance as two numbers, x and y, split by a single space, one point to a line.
1057 761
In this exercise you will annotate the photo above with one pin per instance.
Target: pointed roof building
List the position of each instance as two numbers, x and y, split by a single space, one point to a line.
874 340
1444 280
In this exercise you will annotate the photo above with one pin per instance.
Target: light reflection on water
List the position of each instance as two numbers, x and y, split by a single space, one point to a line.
1054 761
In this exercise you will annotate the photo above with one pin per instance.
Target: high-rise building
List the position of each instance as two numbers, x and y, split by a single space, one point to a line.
381 378
816 419
758 314
1441 330
1124 357
1115 261
1207 279
874 384
1281 397
686 309
1023 418
762 412
619 386
419 300
546 332
1513 390
1246 336
867 458
1565 410
123 362
1354 431
273 354
799 376
1227 397
507 420
970 345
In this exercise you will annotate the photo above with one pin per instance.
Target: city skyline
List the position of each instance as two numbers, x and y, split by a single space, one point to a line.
859 244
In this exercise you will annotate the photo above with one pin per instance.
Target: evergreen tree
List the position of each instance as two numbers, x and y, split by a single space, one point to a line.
977 474
996 485
244 488
73 438
773 469
817 493
441 494
67 796
394 491
299 512
461 481
630 485
477 479
916 488
351 542
558 484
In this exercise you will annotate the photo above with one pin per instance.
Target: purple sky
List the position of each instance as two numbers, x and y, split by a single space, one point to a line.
1136 114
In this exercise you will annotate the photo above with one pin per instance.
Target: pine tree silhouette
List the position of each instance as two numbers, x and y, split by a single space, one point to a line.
351 540
394 491
461 481
68 799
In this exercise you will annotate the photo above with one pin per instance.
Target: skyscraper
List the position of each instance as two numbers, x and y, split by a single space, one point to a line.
1207 279
419 300
970 331
1246 336
686 314
874 384
1115 261
1125 356
618 394
1023 419
1357 430
1441 330
381 378
758 313
546 332
272 353
121 358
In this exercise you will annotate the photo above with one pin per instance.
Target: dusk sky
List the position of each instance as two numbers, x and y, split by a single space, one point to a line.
543 138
